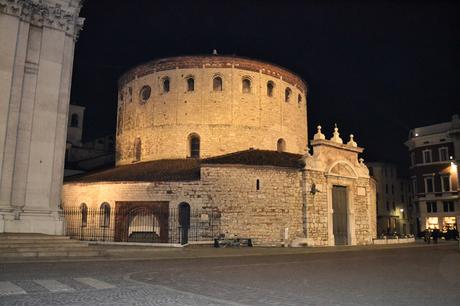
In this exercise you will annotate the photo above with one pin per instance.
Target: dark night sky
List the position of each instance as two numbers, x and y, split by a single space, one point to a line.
376 69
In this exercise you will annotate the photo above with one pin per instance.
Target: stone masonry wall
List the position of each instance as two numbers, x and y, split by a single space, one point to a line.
262 214
259 214
226 121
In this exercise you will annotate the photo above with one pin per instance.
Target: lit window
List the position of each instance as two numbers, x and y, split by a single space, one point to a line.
246 85
287 94
217 84
270 87
427 156
190 84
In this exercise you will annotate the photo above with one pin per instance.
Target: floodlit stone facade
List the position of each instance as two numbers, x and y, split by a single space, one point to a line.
235 173
37 41
230 103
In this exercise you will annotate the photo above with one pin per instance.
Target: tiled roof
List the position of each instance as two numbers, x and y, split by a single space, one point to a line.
186 169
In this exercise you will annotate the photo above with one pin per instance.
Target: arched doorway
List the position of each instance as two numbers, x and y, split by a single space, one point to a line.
184 222
143 225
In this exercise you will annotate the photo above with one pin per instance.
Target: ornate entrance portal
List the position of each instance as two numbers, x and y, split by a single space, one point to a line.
142 221
340 216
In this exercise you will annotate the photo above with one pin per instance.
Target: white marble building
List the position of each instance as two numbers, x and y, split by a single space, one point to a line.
37 40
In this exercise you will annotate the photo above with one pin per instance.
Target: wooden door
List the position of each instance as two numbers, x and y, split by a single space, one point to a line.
340 215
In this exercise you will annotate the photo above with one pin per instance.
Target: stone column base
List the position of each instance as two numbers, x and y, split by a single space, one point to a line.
41 222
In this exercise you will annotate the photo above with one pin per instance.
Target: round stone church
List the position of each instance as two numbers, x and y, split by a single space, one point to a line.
214 146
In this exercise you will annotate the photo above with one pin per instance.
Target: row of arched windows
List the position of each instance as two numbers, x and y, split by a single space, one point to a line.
217 85
104 215
194 146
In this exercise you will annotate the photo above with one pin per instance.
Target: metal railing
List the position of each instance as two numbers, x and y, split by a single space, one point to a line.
141 224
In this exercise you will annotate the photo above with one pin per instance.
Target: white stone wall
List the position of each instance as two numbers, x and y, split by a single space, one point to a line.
36 56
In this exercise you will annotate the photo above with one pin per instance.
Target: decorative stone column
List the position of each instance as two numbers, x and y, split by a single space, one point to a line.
37 40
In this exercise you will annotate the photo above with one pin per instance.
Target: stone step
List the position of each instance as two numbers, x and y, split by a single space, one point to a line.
36 242
8 237
48 248
54 253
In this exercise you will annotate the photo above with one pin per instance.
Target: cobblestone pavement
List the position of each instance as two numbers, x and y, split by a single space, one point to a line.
402 276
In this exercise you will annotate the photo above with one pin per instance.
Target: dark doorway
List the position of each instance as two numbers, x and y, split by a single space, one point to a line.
340 216
142 222
184 222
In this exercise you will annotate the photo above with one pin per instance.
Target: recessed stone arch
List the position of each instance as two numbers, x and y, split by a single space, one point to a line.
342 168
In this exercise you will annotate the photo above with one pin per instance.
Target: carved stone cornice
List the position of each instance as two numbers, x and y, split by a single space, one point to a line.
46 13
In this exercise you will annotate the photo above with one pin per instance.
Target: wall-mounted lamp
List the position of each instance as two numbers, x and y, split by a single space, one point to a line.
401 210
313 189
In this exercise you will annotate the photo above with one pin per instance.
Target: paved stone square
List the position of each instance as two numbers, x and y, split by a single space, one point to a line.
413 275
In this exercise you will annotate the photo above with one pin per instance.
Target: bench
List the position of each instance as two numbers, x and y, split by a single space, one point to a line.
232 242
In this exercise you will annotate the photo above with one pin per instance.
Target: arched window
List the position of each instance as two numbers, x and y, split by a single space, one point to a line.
137 149
217 84
299 99
270 87
281 145
257 184
166 85
287 94
145 92
104 213
190 84
84 214
246 85
194 145
74 120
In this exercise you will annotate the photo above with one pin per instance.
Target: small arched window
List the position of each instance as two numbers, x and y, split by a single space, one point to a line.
137 149
166 84
257 184
217 84
74 120
104 213
84 214
287 94
145 92
194 145
281 145
299 99
246 85
270 87
190 84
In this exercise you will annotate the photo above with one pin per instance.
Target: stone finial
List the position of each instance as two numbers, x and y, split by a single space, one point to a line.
361 161
352 142
336 137
318 134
